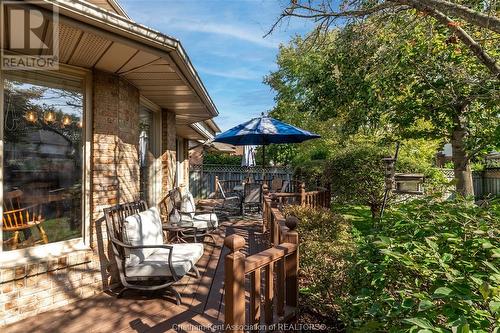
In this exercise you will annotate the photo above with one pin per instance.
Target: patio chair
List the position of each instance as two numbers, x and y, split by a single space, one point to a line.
276 184
231 203
144 262
284 187
252 197
201 219
17 218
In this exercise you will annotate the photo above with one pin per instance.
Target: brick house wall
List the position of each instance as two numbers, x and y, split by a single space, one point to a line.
169 151
41 285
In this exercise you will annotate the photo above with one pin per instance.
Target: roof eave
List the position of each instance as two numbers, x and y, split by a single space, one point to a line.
98 17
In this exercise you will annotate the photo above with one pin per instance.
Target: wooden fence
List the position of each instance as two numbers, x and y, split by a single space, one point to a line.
282 258
202 177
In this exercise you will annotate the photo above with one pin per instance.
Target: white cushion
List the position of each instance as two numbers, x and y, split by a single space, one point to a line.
187 204
209 219
142 229
184 257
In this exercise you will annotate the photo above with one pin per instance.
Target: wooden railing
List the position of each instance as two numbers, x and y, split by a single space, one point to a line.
319 198
282 258
283 255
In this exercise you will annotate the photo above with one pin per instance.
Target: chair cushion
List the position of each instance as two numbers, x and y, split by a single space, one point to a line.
187 204
209 219
142 229
184 257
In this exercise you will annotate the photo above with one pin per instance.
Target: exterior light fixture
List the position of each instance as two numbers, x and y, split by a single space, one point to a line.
79 124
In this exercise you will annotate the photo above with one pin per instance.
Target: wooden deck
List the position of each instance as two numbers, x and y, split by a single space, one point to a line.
202 305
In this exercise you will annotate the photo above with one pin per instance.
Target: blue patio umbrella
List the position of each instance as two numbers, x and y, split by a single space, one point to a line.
263 131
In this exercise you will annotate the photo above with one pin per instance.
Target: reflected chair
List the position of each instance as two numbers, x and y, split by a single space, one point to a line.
17 218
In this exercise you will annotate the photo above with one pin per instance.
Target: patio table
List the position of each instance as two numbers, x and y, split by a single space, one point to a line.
179 231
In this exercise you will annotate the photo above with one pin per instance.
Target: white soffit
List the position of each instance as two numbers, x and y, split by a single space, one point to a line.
152 71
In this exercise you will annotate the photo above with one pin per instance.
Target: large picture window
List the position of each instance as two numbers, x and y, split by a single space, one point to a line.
42 159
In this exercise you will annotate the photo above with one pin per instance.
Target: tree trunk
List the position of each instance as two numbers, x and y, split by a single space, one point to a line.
375 210
461 162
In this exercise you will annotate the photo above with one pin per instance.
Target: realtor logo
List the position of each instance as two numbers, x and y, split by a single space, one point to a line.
30 36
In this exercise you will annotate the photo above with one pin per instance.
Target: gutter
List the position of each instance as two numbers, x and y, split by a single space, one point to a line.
99 18
200 128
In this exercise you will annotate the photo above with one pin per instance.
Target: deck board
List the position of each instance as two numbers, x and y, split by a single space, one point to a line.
202 299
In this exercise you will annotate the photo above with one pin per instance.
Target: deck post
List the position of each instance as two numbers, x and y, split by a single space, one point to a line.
265 189
292 263
302 194
234 285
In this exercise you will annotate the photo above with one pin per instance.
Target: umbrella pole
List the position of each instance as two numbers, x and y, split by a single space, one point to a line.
263 163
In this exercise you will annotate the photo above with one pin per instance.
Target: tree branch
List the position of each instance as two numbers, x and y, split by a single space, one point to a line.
474 17
481 54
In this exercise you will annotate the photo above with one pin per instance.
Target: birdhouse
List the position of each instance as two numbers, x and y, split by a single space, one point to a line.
409 183
389 172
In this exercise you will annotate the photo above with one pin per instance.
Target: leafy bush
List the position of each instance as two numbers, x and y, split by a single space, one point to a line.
325 245
430 267
356 175
311 173
221 159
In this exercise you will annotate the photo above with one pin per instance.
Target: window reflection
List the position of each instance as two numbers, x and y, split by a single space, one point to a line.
42 168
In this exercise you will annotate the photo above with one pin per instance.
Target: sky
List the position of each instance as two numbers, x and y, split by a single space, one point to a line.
224 40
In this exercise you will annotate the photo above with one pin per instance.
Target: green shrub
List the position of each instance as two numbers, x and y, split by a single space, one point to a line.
221 159
430 267
325 246
356 175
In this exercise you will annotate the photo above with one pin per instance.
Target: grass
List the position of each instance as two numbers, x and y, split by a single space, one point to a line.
359 216
57 229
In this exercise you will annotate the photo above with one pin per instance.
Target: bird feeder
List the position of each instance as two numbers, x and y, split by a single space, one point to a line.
409 183
402 183
389 172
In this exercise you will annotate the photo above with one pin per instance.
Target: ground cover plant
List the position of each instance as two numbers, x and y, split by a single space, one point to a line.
428 266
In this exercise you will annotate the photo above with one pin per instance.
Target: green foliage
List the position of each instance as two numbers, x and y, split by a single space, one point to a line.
432 266
311 173
221 159
398 78
325 245
356 175
429 266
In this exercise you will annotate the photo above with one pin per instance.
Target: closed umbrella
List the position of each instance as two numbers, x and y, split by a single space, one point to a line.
143 148
248 159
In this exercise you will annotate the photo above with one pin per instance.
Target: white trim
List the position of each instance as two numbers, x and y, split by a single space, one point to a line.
157 165
42 252
95 18
202 130
155 142
88 113
143 100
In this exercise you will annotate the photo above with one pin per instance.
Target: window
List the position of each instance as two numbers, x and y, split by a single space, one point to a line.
42 159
